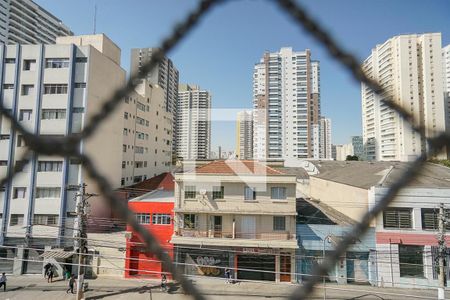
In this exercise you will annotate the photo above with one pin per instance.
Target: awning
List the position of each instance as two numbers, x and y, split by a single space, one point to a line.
56 254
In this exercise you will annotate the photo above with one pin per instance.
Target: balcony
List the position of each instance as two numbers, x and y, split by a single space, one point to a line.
283 239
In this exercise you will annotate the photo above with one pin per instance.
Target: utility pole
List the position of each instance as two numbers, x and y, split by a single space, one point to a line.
442 252
81 225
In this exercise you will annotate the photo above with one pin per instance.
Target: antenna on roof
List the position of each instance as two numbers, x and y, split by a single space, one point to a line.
95 17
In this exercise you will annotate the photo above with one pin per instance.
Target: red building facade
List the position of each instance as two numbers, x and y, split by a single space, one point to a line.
155 212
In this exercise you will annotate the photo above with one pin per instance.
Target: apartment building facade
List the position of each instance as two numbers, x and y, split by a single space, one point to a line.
147 134
164 75
53 90
325 138
410 68
446 77
236 214
193 124
286 97
25 22
244 135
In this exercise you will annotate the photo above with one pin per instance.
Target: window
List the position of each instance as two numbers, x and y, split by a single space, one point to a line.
27 89
16 220
10 60
140 106
19 192
279 223
190 221
411 261
50 166
3 162
21 141
190 192
78 110
45 219
397 218
81 59
8 86
278 193
56 63
430 218
29 64
218 192
123 165
161 219
25 114
124 148
52 114
249 193
125 115
80 85
48 192
20 165
55 89
143 218
4 136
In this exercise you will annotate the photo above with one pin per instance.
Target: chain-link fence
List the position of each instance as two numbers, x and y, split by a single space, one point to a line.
68 146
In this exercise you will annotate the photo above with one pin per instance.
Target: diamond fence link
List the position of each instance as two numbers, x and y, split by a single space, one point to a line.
69 146
300 16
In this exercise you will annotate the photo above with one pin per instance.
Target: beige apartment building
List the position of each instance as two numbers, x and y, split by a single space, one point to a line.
244 134
147 134
236 214
409 67
53 90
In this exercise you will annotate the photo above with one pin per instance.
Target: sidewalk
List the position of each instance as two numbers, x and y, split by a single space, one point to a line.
36 287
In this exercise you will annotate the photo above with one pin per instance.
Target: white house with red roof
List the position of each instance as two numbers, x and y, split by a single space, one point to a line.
236 214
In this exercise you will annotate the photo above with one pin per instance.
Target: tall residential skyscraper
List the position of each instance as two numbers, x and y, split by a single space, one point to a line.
358 147
286 100
446 77
244 135
165 75
193 122
409 67
325 138
147 134
25 22
53 90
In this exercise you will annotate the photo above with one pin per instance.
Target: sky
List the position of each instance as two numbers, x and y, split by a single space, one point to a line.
220 53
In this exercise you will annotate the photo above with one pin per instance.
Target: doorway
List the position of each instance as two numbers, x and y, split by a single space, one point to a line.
218 226
285 267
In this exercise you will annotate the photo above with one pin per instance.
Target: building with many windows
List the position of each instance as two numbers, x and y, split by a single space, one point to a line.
410 68
236 214
446 77
53 90
165 75
244 135
25 22
286 99
147 135
325 138
193 125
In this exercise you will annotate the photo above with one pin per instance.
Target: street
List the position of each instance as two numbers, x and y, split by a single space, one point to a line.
36 288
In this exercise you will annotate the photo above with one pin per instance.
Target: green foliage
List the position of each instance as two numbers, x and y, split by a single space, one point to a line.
352 157
443 162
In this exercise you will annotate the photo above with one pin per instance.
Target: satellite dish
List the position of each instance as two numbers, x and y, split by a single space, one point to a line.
202 192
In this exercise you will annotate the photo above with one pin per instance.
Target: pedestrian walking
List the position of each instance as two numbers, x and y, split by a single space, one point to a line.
50 274
46 268
3 281
71 284
227 275
163 283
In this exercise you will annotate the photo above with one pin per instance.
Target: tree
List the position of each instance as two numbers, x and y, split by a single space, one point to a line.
351 157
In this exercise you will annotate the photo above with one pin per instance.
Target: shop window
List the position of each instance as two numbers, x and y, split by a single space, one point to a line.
411 261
